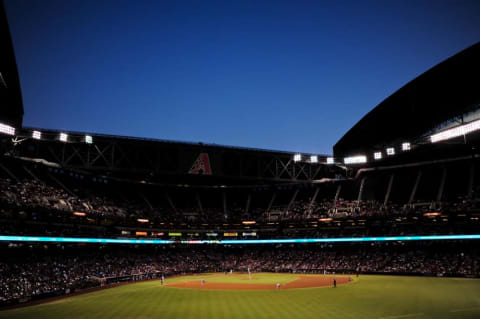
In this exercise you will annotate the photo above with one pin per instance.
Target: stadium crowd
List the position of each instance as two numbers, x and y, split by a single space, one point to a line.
36 195
31 206
35 272
366 208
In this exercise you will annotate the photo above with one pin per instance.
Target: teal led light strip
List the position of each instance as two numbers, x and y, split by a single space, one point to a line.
231 241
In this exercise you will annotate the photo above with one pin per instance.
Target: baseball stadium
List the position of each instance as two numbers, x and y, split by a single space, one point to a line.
387 226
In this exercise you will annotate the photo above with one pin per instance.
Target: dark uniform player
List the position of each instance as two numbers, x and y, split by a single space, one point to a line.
334 283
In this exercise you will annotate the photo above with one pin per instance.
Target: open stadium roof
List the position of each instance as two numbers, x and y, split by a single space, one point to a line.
444 92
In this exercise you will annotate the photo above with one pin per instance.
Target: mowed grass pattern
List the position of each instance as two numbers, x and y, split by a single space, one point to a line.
370 297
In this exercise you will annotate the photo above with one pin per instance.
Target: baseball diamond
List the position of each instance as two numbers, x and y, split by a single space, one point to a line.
182 297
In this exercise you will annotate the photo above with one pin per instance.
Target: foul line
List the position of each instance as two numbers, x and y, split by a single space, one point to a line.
465 309
404 316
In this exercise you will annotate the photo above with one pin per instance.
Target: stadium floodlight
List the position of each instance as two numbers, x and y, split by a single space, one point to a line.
390 151
63 137
355 159
456 131
142 220
406 146
330 160
7 129
297 157
377 155
37 135
313 159
88 139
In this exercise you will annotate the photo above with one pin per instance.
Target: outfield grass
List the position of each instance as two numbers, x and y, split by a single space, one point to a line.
370 297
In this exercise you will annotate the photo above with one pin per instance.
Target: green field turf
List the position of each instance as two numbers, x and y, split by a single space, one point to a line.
370 297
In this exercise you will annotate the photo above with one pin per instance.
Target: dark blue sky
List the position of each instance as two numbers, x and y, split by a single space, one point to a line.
288 75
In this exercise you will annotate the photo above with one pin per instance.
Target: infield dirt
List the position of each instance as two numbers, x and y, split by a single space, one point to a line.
302 281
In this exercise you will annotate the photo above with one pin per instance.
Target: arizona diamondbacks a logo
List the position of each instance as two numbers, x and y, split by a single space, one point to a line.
201 165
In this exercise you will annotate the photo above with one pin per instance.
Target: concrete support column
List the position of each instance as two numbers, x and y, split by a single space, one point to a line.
415 186
441 187
389 189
